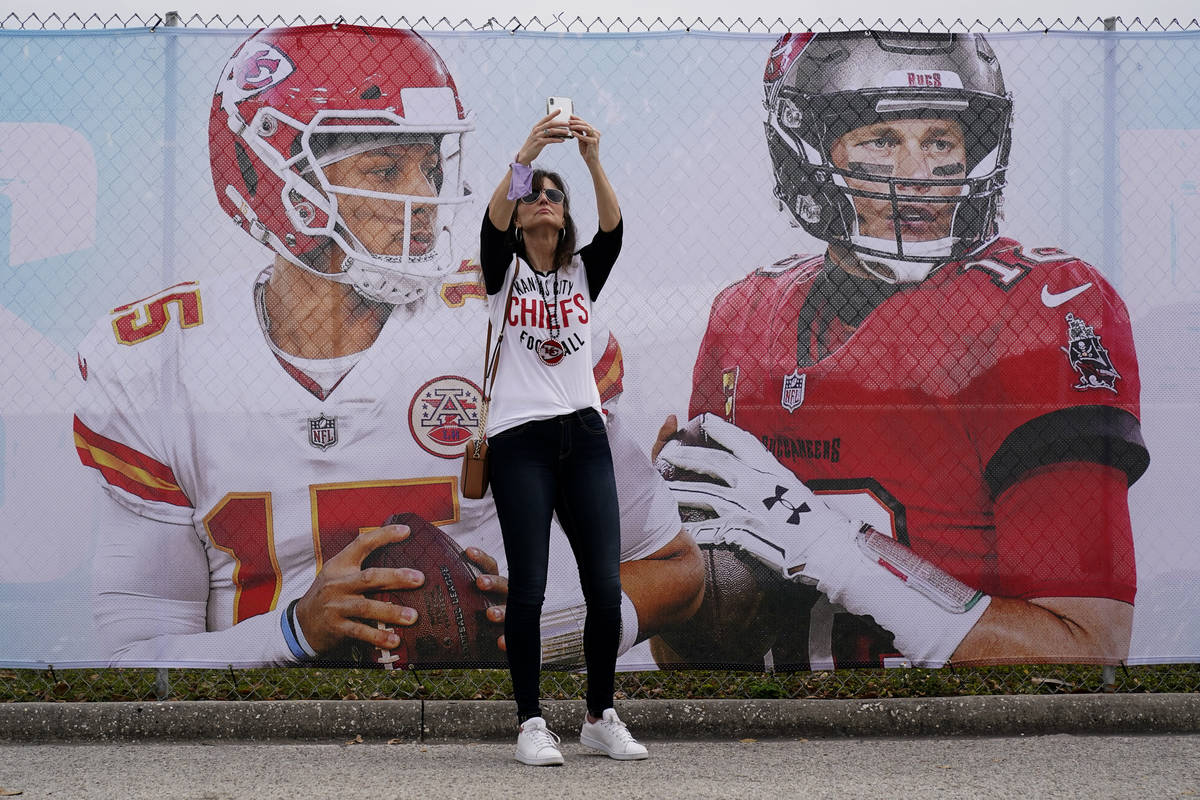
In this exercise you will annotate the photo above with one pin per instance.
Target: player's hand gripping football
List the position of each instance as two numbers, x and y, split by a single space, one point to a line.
732 491
494 585
336 604
356 596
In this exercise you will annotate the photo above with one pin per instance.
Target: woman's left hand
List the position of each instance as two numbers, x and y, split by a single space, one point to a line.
589 140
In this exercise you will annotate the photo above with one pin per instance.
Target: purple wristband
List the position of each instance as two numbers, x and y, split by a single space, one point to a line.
522 181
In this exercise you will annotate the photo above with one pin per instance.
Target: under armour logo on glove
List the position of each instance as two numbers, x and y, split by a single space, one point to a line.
780 491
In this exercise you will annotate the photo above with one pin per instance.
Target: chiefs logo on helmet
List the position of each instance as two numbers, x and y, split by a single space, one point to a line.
264 67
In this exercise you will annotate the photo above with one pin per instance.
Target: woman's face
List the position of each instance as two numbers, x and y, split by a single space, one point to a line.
541 212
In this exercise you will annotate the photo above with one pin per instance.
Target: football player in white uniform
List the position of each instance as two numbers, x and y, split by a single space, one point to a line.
253 434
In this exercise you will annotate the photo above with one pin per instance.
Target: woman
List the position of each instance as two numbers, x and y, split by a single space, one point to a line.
549 448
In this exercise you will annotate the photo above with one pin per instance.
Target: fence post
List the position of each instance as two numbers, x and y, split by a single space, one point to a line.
162 680
169 144
1110 201
162 684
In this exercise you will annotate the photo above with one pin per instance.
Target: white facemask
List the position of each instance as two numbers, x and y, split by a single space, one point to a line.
895 270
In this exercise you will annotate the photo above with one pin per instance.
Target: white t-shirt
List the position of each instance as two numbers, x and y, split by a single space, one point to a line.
526 387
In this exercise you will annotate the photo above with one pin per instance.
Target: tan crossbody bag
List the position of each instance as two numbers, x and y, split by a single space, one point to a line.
474 479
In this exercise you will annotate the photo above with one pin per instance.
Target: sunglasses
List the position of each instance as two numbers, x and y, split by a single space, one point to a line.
553 195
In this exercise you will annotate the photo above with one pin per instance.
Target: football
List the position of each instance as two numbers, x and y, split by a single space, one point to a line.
452 629
736 623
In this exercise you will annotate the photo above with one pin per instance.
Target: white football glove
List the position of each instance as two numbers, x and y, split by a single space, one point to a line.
731 490
752 500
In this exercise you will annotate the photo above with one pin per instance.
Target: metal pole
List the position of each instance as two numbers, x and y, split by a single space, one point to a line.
170 127
162 680
1111 202
162 684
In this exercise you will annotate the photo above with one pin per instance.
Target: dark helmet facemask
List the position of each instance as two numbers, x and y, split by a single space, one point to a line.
830 84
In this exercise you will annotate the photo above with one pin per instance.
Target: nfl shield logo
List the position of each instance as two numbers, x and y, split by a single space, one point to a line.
793 391
322 432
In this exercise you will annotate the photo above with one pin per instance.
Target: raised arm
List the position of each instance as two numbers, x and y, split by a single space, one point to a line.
607 207
500 207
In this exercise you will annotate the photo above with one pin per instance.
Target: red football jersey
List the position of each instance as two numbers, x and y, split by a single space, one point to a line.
923 408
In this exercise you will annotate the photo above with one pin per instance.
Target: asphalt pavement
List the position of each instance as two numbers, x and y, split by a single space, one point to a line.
928 768
1069 746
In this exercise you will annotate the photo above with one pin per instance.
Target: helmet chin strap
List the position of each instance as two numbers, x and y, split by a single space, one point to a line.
897 270
369 281
378 277
381 286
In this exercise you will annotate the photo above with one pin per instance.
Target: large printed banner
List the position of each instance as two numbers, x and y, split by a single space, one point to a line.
899 360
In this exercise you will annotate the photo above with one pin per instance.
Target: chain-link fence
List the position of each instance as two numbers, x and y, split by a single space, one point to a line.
1104 144
568 23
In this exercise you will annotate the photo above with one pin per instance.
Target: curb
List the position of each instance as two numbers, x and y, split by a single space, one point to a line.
453 720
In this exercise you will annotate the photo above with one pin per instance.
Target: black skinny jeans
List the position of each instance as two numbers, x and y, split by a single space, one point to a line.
561 465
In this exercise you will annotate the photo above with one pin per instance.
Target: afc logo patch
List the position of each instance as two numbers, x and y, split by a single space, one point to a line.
793 390
322 432
1088 357
444 414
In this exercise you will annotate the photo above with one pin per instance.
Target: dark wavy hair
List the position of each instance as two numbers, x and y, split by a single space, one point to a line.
566 245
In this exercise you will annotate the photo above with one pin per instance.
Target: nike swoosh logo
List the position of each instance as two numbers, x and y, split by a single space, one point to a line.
1056 299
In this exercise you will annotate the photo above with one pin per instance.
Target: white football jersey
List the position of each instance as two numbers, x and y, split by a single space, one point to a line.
190 418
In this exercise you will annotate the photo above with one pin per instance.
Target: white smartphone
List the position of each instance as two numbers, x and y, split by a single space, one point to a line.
564 107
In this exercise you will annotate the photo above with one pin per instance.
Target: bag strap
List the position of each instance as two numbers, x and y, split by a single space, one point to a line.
491 358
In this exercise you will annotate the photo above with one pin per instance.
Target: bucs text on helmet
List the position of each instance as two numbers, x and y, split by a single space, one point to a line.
291 101
820 86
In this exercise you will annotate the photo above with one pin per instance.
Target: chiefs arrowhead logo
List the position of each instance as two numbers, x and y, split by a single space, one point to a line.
263 67
254 69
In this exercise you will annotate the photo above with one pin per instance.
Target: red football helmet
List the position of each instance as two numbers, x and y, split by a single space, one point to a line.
291 101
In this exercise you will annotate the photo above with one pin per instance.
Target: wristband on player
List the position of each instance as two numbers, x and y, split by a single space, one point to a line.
293 635
629 625
521 182
928 611
562 631
304 645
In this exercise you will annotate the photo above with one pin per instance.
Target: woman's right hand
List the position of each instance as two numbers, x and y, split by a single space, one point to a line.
542 134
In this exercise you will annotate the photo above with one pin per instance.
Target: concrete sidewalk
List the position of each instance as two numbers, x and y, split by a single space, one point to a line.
445 720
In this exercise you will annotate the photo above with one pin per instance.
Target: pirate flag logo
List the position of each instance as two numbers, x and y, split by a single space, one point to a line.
1088 357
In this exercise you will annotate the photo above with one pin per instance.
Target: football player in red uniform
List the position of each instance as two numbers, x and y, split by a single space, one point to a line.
254 431
929 430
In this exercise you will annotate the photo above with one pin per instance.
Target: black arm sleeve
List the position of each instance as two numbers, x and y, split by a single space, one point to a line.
1100 434
495 254
599 256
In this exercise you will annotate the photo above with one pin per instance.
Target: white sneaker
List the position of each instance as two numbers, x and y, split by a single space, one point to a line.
537 745
609 734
